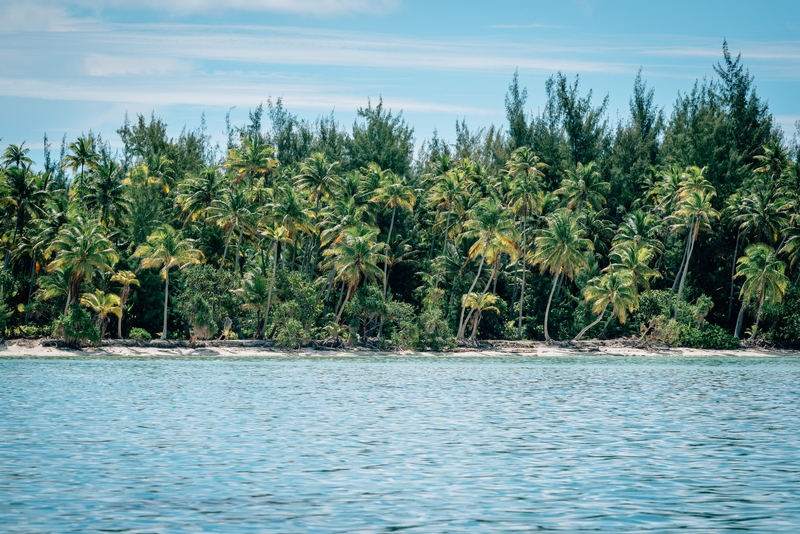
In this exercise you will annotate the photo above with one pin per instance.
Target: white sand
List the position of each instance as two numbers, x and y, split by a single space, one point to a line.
34 348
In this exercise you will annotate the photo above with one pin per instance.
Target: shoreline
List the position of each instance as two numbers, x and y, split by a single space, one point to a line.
22 348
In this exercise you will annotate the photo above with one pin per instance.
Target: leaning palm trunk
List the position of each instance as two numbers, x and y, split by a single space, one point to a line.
739 320
733 276
522 289
695 229
758 315
271 286
166 303
587 327
547 309
461 322
386 267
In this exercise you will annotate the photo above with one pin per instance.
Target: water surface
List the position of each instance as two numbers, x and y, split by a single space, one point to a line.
439 444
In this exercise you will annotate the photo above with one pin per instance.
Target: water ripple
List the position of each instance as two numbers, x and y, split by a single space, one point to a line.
384 444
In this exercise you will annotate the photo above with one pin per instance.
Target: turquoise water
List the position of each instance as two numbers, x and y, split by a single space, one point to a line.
384 444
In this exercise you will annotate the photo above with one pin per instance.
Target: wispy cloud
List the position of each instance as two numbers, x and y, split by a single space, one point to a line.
108 65
528 26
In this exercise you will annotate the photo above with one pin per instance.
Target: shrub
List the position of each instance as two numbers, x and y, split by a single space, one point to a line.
434 331
290 333
709 336
77 327
139 334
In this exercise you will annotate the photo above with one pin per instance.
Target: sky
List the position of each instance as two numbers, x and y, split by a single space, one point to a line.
71 66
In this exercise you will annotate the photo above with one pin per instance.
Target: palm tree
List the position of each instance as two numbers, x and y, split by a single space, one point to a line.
393 193
255 293
127 279
317 176
16 155
166 248
253 160
526 170
584 187
639 228
765 281
81 248
233 213
694 213
493 230
82 156
447 194
633 258
615 289
278 234
107 193
102 304
479 304
196 194
774 162
23 196
354 257
560 250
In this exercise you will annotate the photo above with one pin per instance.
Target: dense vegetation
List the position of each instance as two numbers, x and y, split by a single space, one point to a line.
683 229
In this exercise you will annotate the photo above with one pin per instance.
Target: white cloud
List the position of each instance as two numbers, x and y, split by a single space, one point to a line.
30 17
108 65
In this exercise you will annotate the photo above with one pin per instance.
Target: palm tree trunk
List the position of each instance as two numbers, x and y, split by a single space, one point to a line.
386 262
587 327
758 318
225 251
547 309
733 275
122 299
166 303
238 248
686 267
346 298
475 326
444 245
739 320
680 267
522 288
30 290
271 286
461 324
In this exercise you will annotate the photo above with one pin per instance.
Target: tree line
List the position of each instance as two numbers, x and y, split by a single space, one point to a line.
681 229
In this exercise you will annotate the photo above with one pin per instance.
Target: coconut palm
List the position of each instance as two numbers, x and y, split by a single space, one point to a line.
127 279
82 156
16 155
493 230
166 248
317 176
255 295
584 187
196 194
253 160
446 195
774 162
277 234
393 193
102 304
616 289
356 257
233 212
694 213
560 249
633 258
639 228
479 303
526 171
23 197
107 193
765 279
83 249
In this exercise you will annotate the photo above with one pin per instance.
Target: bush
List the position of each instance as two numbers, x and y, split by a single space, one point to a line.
709 336
139 334
290 333
77 327
434 331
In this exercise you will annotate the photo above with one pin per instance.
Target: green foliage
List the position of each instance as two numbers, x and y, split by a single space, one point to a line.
77 327
205 298
139 334
291 333
785 318
434 330
708 336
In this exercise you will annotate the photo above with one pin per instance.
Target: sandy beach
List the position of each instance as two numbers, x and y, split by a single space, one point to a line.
36 348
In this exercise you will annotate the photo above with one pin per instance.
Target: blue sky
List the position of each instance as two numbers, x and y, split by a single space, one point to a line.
75 65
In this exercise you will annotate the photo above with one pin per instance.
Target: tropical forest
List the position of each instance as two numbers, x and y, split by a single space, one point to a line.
677 226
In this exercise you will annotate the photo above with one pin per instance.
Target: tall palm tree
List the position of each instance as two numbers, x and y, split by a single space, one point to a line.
234 214
356 257
102 304
694 213
615 289
393 193
81 248
317 176
196 194
253 160
107 193
526 171
633 258
447 195
23 197
765 281
16 155
166 248
127 279
255 294
82 156
560 249
584 187
277 234
492 229
479 303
